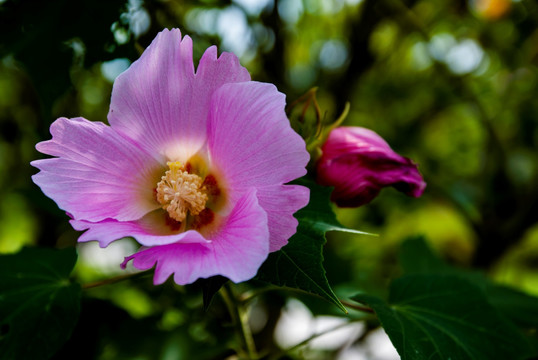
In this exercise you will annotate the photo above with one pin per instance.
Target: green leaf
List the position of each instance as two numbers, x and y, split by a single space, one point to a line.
299 264
518 307
417 257
39 306
318 214
444 317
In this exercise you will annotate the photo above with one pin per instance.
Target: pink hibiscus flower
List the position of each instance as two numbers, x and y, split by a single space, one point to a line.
193 166
358 163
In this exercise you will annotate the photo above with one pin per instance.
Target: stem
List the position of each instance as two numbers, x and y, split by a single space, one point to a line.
306 341
240 320
249 295
358 307
115 279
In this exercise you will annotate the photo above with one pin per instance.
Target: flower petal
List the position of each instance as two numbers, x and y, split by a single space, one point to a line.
347 140
280 203
151 230
358 163
236 251
98 173
162 104
259 148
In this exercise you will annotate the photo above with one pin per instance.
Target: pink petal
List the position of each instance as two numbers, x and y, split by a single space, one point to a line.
250 138
237 250
358 163
98 173
354 139
151 230
259 149
281 202
160 102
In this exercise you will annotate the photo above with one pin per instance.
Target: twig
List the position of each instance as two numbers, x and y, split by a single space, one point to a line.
249 295
358 307
306 341
240 320
114 280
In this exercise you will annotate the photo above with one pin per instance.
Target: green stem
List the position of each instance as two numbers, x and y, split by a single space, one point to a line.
358 307
115 279
306 341
240 320
249 295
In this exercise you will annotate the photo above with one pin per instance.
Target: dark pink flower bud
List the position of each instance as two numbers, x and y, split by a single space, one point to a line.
358 163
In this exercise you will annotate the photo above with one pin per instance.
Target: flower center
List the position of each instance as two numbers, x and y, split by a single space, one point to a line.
180 192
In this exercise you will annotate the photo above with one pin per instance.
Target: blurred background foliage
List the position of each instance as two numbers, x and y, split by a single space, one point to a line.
450 84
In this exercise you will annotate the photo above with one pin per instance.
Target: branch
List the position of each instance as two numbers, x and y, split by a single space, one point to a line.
115 279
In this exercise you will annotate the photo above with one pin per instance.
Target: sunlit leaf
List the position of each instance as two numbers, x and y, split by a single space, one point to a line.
39 305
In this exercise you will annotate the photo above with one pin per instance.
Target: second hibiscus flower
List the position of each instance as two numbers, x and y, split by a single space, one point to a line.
193 166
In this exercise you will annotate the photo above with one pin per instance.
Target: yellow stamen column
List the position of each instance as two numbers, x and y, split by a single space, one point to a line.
180 192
